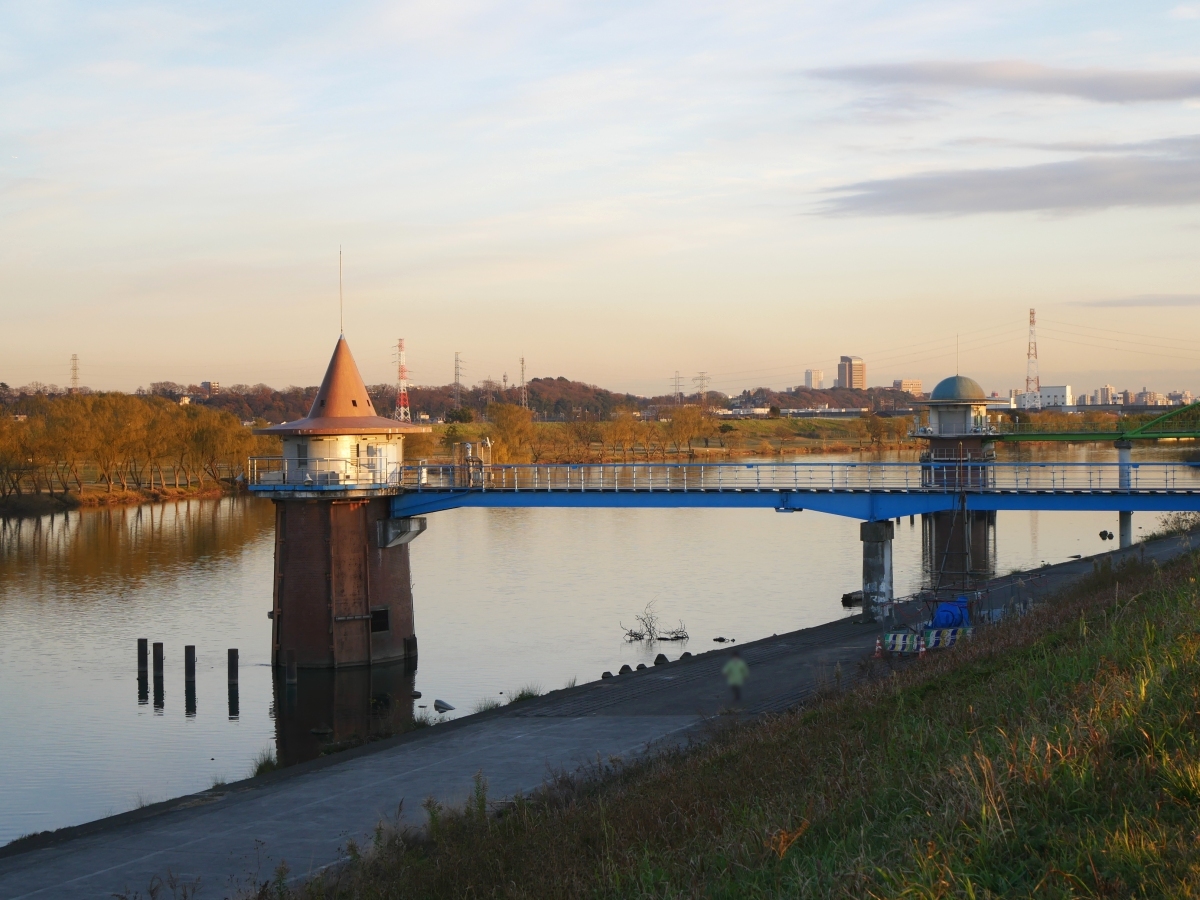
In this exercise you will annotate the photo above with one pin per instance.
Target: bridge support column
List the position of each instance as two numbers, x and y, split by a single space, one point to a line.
876 539
1125 482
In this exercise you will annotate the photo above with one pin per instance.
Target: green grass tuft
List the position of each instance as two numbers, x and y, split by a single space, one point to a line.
264 762
528 692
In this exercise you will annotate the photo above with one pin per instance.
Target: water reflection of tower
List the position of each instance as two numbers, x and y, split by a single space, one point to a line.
334 706
959 546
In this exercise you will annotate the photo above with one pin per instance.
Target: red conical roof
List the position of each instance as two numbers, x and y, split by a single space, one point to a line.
342 405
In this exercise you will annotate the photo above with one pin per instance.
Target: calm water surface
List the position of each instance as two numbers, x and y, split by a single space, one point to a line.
504 598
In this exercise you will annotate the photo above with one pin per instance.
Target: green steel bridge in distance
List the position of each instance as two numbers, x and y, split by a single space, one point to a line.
1182 423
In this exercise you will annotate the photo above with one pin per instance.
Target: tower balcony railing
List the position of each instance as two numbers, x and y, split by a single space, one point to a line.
927 431
930 475
314 473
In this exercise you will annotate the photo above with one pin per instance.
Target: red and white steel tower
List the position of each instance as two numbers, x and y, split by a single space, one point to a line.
1033 382
403 412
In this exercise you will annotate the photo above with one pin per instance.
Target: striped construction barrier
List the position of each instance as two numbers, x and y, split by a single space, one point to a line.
935 638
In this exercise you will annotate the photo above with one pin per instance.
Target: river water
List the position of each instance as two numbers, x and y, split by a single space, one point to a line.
504 599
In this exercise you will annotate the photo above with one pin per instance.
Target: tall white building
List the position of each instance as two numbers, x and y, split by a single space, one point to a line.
814 378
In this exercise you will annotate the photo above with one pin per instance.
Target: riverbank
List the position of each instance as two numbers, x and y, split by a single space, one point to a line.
34 505
236 835
1054 755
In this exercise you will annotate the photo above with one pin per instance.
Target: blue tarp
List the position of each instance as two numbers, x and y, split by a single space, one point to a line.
951 614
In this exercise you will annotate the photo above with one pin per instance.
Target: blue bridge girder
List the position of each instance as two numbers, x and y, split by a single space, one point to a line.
866 491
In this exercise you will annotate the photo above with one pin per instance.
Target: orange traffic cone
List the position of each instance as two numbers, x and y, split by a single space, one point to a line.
878 648
921 647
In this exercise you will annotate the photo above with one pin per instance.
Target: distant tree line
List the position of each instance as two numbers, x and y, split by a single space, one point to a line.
59 444
681 432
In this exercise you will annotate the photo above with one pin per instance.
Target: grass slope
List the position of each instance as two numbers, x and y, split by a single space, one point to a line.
1056 756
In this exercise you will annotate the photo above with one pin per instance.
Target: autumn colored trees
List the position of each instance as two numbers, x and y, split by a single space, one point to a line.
121 440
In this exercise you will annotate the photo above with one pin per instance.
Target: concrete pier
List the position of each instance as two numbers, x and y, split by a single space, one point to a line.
1125 481
877 591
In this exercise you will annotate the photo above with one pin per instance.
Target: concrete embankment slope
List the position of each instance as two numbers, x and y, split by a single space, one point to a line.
232 839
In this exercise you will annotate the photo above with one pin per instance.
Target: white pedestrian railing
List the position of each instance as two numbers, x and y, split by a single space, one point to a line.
278 473
287 473
937 476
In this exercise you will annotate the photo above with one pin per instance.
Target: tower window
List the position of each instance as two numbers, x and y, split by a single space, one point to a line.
354 402
380 620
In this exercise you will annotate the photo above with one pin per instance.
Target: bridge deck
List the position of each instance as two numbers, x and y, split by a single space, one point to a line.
859 490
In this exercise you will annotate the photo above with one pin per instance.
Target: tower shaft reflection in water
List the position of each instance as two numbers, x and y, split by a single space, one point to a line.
325 708
958 549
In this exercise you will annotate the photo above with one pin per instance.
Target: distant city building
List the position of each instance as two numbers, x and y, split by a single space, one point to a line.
212 388
1180 398
1108 395
852 373
1028 400
1125 398
814 378
1149 398
1056 395
908 385
1083 400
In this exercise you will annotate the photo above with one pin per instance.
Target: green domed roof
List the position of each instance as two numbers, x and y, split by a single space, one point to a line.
958 387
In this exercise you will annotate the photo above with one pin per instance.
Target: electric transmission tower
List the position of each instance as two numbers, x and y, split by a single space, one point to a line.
403 412
701 382
677 382
457 381
524 392
1033 382
74 373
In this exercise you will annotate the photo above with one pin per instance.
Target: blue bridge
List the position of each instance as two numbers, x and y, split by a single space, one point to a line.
869 491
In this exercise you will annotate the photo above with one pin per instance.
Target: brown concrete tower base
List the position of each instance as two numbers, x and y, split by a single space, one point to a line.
342 596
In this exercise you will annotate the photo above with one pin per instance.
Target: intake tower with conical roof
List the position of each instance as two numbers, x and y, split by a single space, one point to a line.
342 592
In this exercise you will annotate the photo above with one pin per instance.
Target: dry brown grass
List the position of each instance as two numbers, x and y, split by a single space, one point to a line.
1054 756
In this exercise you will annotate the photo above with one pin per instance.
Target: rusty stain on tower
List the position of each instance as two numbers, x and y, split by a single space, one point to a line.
343 591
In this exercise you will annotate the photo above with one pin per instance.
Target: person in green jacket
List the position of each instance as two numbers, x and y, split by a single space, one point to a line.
736 672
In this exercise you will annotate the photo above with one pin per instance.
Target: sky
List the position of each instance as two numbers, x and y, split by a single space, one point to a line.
614 191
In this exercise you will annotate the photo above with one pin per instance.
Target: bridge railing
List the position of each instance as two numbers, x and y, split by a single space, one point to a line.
287 473
923 476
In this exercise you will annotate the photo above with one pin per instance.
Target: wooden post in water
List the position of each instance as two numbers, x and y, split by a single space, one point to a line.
233 665
189 662
143 655
158 659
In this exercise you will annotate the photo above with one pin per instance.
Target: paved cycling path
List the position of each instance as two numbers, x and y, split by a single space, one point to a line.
233 838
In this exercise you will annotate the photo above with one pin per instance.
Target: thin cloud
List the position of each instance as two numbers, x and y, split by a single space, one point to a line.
1100 85
1078 185
1144 300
